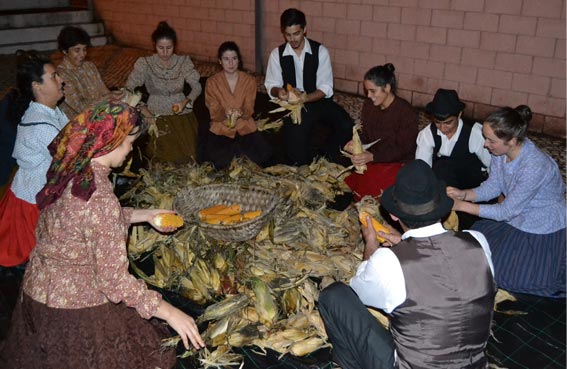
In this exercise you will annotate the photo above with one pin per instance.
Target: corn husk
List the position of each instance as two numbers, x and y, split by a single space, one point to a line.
293 108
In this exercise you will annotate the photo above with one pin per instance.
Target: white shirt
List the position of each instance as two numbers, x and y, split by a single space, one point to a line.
39 126
274 76
379 281
426 144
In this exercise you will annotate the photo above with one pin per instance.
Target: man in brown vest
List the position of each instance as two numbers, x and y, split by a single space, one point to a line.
436 285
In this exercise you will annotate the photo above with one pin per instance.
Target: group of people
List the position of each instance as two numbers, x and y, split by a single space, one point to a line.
80 304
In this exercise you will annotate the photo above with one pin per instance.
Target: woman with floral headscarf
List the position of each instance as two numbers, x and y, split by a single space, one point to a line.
75 310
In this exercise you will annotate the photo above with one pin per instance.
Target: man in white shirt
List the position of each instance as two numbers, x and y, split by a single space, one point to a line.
305 66
437 287
454 149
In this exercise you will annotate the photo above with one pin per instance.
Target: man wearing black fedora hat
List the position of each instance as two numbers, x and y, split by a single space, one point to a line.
453 148
436 285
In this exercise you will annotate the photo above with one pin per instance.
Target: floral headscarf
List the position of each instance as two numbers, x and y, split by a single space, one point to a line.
95 132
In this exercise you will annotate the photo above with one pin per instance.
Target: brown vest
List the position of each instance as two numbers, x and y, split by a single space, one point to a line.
445 320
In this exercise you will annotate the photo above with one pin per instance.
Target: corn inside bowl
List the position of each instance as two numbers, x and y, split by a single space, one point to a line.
190 201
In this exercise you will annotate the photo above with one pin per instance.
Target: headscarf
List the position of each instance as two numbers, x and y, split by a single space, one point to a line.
95 132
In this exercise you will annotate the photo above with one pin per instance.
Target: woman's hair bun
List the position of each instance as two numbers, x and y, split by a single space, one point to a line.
390 67
525 112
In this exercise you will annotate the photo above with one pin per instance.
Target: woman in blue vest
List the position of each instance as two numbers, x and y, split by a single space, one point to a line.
526 231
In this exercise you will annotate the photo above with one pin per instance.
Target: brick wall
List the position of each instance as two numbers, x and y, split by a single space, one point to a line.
201 26
494 52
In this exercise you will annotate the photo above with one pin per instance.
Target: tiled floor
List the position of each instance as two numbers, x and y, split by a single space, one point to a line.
534 340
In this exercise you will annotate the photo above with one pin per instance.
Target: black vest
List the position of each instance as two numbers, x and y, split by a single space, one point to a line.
445 320
461 169
310 66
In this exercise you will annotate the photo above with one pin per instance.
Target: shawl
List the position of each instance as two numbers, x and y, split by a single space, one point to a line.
95 132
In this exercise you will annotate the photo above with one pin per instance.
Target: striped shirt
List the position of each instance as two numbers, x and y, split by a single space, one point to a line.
39 126
534 190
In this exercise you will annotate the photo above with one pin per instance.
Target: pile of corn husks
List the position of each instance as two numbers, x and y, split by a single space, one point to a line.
260 292
263 291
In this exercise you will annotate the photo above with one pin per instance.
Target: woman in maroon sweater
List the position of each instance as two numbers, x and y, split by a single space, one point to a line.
394 122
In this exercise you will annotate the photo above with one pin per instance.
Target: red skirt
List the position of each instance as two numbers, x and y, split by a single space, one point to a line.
18 220
374 181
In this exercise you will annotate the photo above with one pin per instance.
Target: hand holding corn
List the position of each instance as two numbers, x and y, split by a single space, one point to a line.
161 219
232 116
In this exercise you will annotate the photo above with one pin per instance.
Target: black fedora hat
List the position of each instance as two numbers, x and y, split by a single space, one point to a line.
445 103
417 194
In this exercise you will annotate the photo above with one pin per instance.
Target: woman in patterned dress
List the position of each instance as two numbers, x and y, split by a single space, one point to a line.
526 231
164 74
80 307
40 88
83 83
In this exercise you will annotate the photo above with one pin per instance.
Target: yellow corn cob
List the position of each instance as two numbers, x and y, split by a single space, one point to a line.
168 220
376 224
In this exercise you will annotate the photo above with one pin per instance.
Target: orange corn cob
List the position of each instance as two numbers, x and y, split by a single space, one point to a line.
375 224
251 214
168 220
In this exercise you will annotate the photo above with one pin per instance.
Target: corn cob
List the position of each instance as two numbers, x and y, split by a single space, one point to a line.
211 210
251 214
168 220
375 224
265 304
291 300
228 306
306 346
357 148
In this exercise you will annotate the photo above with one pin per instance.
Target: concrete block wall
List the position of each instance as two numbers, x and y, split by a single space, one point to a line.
494 52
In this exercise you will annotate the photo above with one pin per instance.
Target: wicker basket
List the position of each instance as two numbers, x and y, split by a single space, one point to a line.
189 201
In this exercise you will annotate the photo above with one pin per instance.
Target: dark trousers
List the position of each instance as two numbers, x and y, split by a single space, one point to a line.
359 341
302 141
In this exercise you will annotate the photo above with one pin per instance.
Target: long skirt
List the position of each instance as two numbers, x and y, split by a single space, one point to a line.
177 141
374 181
108 336
526 262
221 149
18 220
